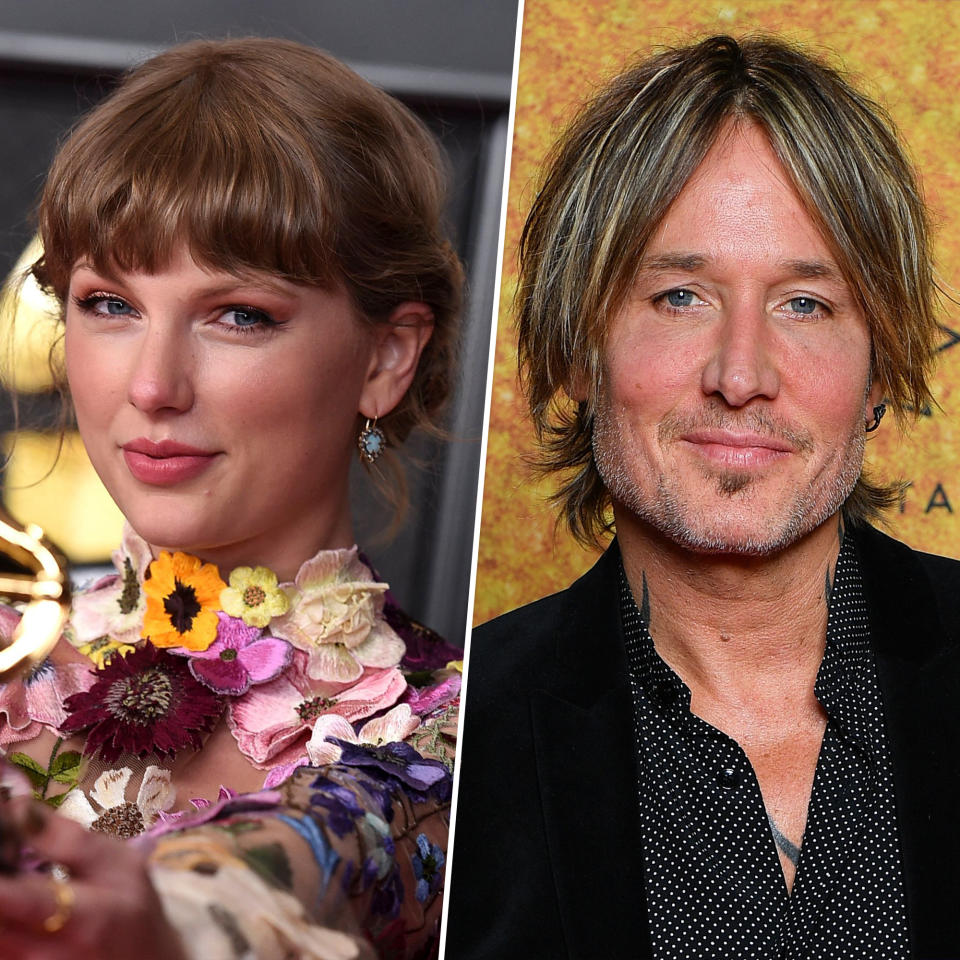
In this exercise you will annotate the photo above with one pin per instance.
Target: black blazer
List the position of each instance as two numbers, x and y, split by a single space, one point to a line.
546 852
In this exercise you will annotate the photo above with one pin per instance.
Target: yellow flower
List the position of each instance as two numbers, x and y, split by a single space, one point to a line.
253 596
183 597
455 665
103 648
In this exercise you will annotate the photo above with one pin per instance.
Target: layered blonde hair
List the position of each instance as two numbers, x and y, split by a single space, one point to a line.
610 179
266 155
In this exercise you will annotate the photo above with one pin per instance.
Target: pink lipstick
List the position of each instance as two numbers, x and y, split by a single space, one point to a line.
165 463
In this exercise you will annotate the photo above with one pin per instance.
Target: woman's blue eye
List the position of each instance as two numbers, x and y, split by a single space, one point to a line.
104 305
116 308
680 298
246 317
804 305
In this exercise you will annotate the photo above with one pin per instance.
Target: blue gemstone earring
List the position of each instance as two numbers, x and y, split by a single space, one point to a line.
371 442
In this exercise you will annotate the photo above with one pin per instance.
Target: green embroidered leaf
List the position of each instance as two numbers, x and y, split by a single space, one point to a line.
37 775
64 762
26 763
272 863
237 827
130 596
71 775
57 800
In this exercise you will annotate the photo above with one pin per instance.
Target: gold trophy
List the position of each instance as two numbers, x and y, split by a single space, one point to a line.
44 588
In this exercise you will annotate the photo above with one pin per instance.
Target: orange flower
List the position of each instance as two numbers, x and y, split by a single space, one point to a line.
183 597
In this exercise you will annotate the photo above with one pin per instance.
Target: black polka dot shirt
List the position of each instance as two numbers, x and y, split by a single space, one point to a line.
715 888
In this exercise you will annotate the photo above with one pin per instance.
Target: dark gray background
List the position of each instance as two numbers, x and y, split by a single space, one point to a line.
450 61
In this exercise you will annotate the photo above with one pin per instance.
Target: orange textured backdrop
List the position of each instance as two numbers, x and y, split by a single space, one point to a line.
905 53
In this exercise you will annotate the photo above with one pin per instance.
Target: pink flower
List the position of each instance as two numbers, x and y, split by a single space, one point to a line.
238 658
271 722
29 704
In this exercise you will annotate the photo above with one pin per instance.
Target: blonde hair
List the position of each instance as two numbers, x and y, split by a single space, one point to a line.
624 159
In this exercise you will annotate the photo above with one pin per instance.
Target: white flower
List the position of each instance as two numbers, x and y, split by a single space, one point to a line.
116 815
114 606
335 617
395 725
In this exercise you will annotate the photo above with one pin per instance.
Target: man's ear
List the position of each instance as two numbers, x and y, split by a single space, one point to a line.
397 345
576 390
579 387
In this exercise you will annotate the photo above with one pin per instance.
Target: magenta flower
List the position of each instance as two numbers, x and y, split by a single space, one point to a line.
426 699
239 657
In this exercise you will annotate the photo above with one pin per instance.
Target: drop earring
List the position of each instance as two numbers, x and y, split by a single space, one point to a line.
878 411
371 442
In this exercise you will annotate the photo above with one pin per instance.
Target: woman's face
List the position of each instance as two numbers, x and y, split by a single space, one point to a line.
221 412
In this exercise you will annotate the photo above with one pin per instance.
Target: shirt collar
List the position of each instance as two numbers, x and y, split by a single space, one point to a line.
840 682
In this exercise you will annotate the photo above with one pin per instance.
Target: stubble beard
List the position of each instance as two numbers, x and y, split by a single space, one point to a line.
713 528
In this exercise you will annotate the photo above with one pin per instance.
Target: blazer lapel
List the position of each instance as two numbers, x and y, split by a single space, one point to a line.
918 666
583 735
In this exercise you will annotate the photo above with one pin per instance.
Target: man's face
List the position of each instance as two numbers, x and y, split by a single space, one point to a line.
736 376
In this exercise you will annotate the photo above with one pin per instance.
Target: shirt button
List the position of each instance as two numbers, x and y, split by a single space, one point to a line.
729 778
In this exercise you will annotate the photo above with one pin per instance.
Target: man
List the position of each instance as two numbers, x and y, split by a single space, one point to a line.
736 736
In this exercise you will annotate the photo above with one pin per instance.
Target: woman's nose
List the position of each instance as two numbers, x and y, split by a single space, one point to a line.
742 364
161 375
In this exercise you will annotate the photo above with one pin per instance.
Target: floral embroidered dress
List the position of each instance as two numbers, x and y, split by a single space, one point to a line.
286 749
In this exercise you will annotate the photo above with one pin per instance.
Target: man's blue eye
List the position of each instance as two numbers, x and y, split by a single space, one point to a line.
680 298
806 305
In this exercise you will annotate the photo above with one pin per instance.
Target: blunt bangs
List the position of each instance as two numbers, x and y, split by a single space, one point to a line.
200 164
265 155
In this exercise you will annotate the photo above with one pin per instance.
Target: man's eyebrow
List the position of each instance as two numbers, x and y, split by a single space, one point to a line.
804 269
813 269
673 261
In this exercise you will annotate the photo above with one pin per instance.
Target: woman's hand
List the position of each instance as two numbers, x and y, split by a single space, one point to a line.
107 908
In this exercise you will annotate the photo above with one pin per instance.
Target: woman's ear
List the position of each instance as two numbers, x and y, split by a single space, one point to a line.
397 345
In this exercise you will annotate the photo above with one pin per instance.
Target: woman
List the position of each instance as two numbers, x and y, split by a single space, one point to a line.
246 240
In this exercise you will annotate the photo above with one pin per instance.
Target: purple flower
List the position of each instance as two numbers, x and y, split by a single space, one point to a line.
400 765
341 806
426 650
427 867
239 657
388 896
